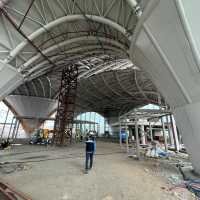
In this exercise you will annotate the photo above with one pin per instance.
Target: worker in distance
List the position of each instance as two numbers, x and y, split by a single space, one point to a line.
90 148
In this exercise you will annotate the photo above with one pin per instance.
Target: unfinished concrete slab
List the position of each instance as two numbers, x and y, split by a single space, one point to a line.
58 173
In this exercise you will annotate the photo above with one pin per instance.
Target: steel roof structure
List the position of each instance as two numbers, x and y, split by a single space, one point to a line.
128 53
89 34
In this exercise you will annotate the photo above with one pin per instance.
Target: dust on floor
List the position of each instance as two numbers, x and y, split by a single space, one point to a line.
58 174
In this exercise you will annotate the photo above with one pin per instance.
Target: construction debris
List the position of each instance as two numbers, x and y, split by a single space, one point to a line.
155 151
7 192
175 179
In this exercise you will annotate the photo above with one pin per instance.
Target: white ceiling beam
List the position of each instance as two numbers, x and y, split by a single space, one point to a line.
60 21
67 43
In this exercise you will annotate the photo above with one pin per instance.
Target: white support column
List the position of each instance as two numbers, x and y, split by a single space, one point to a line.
130 132
143 136
170 130
127 138
174 129
120 135
151 132
4 124
164 135
17 130
137 140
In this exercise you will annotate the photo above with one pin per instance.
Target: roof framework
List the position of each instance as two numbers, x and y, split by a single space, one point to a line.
147 114
40 37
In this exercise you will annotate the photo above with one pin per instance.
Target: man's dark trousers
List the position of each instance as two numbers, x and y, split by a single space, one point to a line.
89 157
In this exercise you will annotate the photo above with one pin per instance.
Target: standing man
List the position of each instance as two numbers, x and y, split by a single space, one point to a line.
90 150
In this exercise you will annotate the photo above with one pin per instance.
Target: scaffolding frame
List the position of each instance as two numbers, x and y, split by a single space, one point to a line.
66 106
134 116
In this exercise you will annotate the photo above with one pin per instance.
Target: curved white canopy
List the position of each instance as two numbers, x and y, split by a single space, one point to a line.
41 37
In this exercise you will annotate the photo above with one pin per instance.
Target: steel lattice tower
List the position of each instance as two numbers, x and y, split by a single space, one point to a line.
66 106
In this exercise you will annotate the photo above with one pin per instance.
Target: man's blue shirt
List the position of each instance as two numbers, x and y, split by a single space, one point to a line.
90 146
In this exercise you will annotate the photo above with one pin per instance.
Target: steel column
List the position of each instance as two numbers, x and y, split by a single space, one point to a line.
174 131
11 127
151 132
4 123
164 135
14 129
170 131
143 135
17 130
120 136
137 139
127 137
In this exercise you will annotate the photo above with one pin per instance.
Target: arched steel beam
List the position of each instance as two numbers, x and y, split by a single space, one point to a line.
42 86
44 69
109 87
90 104
80 98
26 89
89 92
50 85
118 94
137 85
100 68
140 90
34 88
60 60
122 87
114 51
68 18
85 47
68 42
102 94
70 58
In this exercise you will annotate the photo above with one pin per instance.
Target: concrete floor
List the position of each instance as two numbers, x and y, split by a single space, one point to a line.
57 174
